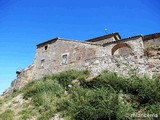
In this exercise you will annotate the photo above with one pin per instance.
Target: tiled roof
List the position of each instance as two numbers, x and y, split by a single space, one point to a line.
55 39
151 36
104 37
90 41
47 42
132 37
123 40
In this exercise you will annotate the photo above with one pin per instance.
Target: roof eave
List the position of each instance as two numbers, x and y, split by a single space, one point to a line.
46 42
104 37
151 36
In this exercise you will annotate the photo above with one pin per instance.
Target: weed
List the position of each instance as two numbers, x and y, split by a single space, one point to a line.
108 96
26 114
7 115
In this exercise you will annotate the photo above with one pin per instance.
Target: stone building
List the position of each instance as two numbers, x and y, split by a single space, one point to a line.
97 54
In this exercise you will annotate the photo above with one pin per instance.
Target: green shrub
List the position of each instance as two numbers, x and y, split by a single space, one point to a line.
153 109
46 115
26 114
109 80
53 83
7 115
108 96
39 86
1 102
44 94
66 77
145 89
95 104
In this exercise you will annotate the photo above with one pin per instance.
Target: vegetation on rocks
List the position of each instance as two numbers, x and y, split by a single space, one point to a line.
7 115
73 95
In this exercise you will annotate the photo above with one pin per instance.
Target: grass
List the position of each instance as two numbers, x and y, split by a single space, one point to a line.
95 104
108 96
45 93
138 93
1 102
7 115
26 113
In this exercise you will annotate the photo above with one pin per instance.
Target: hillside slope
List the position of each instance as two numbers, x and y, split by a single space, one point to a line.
72 95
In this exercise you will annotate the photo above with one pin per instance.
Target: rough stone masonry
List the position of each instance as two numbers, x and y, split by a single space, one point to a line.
108 52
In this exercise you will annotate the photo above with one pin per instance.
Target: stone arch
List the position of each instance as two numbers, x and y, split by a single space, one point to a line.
126 48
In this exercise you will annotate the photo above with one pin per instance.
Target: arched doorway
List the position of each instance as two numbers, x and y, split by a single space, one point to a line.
121 49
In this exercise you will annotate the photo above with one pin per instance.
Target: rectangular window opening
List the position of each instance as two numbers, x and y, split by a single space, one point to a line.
42 63
46 47
64 59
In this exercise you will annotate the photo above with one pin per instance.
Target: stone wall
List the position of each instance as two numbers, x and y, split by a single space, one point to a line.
126 66
111 39
24 77
135 46
151 42
59 55
123 51
121 65
152 47
51 60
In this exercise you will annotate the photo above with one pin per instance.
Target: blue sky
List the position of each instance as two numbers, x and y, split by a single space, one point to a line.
25 23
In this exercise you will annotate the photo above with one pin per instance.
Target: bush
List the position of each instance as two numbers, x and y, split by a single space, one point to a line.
1 102
46 115
26 114
53 83
40 86
145 89
153 109
109 80
44 94
108 96
7 115
95 104
66 77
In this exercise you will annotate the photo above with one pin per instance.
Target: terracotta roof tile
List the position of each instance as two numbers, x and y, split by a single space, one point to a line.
104 37
47 42
151 36
122 40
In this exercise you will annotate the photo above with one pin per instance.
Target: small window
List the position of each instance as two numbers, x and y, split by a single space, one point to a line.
64 59
46 47
42 63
